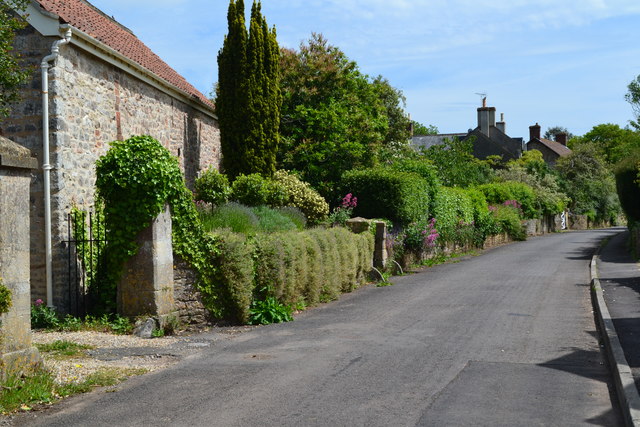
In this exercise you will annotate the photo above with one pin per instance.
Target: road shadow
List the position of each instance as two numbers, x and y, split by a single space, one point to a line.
591 364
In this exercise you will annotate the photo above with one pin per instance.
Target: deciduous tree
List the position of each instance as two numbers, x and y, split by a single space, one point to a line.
11 73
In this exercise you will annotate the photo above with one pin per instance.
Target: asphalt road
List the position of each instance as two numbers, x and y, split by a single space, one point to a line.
505 338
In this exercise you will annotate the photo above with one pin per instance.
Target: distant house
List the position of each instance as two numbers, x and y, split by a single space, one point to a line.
490 138
551 150
104 85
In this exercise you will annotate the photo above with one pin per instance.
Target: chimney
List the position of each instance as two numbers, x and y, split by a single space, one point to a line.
501 124
562 138
486 117
534 132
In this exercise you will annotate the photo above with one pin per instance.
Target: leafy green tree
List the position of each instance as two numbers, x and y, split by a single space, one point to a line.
633 97
531 169
613 142
248 94
394 101
333 118
553 131
456 165
420 129
11 74
589 183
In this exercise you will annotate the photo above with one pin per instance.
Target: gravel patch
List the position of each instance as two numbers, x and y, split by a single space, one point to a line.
111 351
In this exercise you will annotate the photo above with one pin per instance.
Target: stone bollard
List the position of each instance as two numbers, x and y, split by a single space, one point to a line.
360 225
16 353
380 253
146 287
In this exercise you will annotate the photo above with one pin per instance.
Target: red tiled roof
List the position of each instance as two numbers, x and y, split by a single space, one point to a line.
90 20
561 150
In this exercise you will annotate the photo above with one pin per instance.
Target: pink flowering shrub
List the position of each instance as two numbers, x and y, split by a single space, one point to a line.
341 214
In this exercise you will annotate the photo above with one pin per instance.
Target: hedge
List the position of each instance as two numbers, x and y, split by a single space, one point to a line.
627 174
454 209
402 197
500 192
305 267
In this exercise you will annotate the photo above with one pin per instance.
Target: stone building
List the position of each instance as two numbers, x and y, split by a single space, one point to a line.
551 150
490 137
103 85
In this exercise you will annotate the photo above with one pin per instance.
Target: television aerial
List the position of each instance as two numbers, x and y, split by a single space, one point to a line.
483 98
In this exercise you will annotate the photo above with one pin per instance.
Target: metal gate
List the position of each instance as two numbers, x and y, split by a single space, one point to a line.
86 261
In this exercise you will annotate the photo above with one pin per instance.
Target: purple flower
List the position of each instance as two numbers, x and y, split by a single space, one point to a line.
38 302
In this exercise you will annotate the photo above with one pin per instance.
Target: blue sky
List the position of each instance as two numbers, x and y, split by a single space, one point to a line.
555 62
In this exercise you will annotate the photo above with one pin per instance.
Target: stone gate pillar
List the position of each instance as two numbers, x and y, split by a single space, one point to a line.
146 287
16 163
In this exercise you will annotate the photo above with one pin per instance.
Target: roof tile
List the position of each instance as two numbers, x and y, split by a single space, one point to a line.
90 20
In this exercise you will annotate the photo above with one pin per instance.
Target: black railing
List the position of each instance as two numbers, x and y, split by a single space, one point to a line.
86 260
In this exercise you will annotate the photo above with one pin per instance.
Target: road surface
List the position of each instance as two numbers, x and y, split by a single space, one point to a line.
505 338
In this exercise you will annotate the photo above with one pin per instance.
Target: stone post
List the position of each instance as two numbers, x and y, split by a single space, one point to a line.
360 225
16 352
380 248
146 287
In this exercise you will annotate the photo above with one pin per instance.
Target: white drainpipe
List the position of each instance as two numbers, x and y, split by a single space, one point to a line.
46 167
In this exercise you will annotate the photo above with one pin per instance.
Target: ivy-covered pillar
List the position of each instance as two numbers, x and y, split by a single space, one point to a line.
16 352
146 287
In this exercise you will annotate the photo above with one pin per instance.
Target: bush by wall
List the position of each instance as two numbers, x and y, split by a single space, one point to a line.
212 187
297 268
254 190
498 193
302 196
402 197
627 174
426 169
454 215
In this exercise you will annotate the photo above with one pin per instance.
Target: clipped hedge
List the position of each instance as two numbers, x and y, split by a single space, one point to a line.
627 174
402 197
500 192
426 169
306 267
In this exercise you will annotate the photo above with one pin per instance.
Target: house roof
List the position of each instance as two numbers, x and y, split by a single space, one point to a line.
427 141
556 147
90 20
498 143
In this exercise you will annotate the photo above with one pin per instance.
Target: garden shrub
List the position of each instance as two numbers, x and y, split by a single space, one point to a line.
426 169
303 196
212 187
508 219
500 192
484 221
627 173
235 273
402 197
231 216
254 190
271 220
295 215
454 215
311 266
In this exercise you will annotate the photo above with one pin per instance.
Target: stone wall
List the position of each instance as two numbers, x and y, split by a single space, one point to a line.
188 299
16 352
91 104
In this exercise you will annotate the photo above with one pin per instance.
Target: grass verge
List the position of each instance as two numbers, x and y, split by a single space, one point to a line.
23 392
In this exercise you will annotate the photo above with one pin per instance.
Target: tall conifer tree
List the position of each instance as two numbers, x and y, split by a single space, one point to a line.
248 95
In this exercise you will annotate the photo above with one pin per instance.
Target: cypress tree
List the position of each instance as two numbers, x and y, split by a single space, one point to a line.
248 96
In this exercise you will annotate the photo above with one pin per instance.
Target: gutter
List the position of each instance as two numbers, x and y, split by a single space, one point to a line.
46 167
